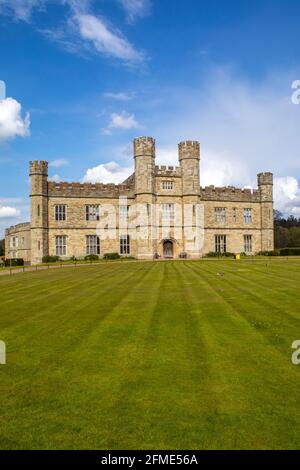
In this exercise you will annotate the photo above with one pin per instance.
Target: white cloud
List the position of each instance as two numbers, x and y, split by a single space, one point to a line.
20 9
121 96
81 30
110 172
58 163
55 178
123 121
7 212
287 195
136 8
11 122
105 39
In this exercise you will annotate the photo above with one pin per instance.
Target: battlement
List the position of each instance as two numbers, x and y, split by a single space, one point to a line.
189 149
230 194
65 189
14 229
144 146
39 167
169 171
265 178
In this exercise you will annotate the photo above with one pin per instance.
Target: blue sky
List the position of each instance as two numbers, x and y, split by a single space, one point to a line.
83 78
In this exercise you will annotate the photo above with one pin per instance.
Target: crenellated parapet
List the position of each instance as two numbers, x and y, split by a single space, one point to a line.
38 167
230 194
168 171
14 229
82 190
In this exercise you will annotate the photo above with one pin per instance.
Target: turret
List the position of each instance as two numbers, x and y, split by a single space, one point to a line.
144 156
39 210
189 158
265 186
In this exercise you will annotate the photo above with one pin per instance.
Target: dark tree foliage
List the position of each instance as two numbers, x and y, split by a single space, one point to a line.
287 231
1 247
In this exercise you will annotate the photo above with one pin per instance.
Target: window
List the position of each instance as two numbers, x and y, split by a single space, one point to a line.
92 213
248 216
60 212
38 210
61 245
92 245
168 185
234 216
220 215
221 243
124 212
124 244
168 211
39 245
248 244
14 242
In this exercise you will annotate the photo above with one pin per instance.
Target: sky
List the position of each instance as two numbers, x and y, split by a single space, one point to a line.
85 77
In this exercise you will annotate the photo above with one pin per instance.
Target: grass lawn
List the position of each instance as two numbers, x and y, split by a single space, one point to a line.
162 355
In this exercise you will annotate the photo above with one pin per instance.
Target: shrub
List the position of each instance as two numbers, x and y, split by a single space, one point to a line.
91 258
110 256
50 259
269 253
289 252
213 254
14 262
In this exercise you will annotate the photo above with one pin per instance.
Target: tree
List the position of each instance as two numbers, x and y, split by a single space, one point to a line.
1 247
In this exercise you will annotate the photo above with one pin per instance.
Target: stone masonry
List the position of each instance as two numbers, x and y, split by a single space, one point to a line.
167 213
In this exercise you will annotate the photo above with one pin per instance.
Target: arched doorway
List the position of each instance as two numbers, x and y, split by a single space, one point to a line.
168 249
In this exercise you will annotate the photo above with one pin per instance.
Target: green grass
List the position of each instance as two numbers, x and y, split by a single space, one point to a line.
164 355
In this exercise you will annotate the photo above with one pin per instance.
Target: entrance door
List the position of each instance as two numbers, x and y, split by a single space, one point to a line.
168 249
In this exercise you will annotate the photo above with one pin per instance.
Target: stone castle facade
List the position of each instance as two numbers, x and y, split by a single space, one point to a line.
158 212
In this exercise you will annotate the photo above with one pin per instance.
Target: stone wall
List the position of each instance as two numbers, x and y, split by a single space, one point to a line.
21 234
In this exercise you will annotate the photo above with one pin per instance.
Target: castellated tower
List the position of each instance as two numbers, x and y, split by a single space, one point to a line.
265 186
189 158
144 159
39 210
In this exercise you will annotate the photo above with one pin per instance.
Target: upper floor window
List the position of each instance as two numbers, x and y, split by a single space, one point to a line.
14 242
60 212
247 216
125 245
234 215
61 245
124 211
92 213
168 211
248 244
92 245
220 214
167 185
221 243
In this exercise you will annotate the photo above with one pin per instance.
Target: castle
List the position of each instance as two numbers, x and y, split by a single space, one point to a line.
158 212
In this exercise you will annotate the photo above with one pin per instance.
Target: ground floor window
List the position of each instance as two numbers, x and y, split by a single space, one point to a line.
61 245
221 243
92 245
124 244
248 244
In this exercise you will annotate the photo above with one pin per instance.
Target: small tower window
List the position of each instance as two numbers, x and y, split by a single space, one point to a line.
38 210
167 185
